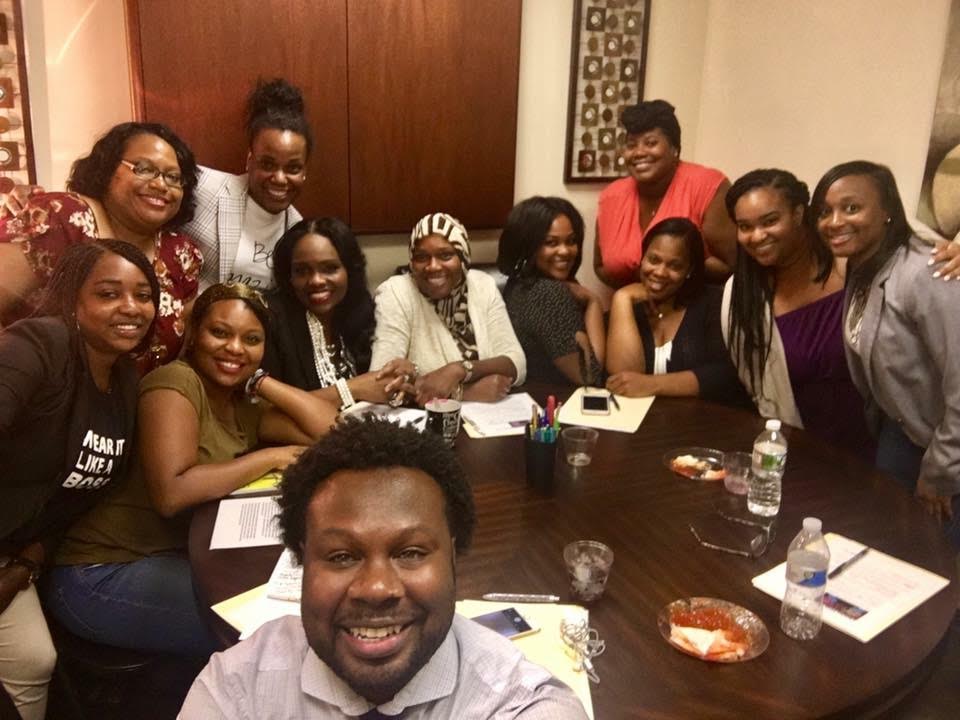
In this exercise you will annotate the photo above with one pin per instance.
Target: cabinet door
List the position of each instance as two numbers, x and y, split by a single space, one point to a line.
413 103
433 110
195 63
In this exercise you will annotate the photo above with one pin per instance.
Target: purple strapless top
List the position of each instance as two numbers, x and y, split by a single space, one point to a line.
829 403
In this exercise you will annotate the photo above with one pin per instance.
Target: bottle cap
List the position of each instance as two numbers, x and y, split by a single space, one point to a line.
812 524
773 425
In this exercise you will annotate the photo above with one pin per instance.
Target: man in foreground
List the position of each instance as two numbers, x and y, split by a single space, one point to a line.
376 514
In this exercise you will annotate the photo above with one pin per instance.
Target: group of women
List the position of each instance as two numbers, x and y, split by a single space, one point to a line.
831 301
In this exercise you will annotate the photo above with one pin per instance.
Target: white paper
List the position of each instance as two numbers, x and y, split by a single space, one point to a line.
870 595
246 522
627 419
510 416
401 416
286 580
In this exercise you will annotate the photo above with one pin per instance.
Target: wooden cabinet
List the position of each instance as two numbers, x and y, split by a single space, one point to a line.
413 103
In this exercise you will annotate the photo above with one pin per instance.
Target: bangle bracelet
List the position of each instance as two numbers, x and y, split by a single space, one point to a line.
346 397
253 384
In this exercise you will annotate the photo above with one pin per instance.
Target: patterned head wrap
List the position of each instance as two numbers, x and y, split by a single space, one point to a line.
453 310
447 227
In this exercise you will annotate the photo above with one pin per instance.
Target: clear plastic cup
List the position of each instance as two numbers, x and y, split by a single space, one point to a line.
578 444
588 563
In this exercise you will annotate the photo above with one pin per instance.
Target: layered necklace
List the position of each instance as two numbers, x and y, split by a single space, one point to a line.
331 361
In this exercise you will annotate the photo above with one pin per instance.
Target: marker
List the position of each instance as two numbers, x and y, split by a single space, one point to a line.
613 399
551 408
846 564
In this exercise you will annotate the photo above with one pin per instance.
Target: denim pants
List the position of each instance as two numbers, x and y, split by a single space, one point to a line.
145 605
899 457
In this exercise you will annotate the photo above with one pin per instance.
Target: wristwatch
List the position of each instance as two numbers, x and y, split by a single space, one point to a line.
467 369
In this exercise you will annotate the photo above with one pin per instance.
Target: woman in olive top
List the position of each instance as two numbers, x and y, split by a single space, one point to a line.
123 577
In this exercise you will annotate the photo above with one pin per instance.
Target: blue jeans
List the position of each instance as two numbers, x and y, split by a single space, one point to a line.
899 457
145 605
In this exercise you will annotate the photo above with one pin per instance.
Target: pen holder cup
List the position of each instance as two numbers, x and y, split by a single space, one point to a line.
541 460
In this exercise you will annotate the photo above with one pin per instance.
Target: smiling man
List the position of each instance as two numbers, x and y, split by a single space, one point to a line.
377 513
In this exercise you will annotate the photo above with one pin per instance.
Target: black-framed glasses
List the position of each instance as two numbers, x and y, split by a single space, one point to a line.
149 171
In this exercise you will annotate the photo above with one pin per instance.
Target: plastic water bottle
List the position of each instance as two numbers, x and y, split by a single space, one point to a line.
769 459
807 560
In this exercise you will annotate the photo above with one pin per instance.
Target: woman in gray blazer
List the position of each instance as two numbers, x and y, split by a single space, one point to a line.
900 332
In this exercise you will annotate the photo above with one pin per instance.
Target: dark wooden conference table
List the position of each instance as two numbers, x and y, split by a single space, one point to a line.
629 500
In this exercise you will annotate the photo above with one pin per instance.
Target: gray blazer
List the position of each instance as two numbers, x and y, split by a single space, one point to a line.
908 360
221 200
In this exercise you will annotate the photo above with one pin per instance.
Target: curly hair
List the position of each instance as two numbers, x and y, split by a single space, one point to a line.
651 115
353 317
75 265
751 304
371 443
91 175
687 231
527 227
860 275
277 105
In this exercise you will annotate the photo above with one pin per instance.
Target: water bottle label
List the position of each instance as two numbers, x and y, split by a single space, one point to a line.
813 578
771 462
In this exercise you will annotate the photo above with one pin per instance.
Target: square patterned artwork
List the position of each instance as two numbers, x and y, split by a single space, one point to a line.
606 75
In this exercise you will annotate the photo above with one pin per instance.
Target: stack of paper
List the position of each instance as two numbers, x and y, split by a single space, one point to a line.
870 595
509 416
626 419
246 522
401 415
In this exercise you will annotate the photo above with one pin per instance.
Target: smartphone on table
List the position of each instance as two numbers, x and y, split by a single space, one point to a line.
595 402
508 622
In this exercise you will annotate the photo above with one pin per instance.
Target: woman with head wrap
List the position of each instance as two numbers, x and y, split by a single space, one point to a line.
443 325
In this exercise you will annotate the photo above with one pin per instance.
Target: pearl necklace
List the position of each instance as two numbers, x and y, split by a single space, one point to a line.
321 352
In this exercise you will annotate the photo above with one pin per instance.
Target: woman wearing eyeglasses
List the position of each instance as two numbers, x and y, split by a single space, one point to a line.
240 218
135 185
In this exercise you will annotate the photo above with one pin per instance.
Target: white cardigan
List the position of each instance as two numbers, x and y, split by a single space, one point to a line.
777 400
408 326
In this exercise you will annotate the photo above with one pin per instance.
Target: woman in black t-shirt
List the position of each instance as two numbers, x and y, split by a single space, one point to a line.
67 409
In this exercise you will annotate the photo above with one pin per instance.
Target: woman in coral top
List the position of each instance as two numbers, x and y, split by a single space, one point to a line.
660 185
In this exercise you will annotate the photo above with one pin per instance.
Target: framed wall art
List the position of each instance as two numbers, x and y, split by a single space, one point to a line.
16 142
607 67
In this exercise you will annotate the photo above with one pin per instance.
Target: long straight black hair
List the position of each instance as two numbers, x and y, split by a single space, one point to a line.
353 317
751 303
860 275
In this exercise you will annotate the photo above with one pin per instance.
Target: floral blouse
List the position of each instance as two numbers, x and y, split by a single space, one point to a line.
50 222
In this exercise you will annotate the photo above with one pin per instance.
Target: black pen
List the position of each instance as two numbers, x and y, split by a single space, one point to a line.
613 399
846 563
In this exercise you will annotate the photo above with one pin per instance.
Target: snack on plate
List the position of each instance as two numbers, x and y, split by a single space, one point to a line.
709 632
709 644
713 630
693 467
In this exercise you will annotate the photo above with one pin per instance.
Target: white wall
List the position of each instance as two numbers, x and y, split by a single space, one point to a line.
801 85
674 61
79 74
807 85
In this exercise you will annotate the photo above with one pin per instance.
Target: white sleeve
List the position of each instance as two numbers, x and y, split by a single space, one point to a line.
394 325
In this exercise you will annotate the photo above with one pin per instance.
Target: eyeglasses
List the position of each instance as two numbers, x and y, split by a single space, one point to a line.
271 166
148 171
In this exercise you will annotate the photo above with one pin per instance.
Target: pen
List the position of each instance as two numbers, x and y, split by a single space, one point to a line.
846 564
521 597
613 399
